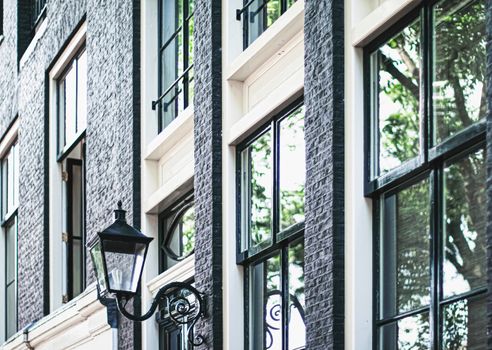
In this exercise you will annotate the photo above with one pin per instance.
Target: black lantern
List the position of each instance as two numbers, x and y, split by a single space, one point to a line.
118 254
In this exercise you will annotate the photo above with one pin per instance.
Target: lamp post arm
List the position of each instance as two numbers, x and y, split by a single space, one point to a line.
181 311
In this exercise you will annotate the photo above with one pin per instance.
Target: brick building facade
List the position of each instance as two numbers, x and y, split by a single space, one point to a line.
294 160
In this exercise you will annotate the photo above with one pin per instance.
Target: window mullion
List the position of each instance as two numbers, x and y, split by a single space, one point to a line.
284 267
435 234
275 181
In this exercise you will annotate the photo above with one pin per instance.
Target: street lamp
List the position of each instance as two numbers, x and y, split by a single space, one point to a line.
118 255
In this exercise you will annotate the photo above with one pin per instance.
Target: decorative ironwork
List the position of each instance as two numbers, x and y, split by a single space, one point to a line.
183 305
275 314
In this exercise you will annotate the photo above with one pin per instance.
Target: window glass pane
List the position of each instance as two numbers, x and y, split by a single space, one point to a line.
172 17
292 178
459 91
297 328
10 181
266 305
181 241
465 325
411 333
15 180
11 306
11 250
404 249
76 267
273 11
255 20
257 176
171 68
82 92
464 263
395 90
70 104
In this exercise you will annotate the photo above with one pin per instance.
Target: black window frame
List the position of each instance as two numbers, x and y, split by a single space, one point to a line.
162 91
173 214
1 20
290 233
10 218
281 241
244 14
429 164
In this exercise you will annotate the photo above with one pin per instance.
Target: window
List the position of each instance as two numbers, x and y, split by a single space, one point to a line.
175 70
258 15
38 13
72 116
177 242
177 233
271 217
426 173
10 202
72 103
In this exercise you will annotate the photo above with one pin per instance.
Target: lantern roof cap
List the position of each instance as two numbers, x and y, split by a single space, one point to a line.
120 230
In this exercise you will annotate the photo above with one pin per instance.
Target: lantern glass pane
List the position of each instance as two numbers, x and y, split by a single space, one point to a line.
124 263
97 260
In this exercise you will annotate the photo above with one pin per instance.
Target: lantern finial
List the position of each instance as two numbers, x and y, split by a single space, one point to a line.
119 214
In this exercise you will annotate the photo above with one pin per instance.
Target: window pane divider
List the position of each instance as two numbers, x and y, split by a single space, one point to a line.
463 296
403 315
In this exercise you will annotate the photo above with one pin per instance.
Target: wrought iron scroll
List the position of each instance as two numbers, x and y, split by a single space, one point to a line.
175 297
275 313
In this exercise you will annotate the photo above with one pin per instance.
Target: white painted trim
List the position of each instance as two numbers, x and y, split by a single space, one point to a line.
84 318
69 52
268 43
180 272
278 99
9 138
56 223
171 135
32 45
358 210
177 186
383 17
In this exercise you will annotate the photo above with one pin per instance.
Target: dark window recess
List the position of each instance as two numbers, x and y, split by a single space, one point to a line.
75 240
270 237
177 233
258 15
426 172
1 18
38 13
175 59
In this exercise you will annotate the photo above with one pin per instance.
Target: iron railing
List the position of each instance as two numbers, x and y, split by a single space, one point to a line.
38 7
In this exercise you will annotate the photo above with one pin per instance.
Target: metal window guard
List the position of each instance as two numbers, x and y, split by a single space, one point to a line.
239 12
171 87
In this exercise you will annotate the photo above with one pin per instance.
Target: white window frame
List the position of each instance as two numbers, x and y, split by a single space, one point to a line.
57 273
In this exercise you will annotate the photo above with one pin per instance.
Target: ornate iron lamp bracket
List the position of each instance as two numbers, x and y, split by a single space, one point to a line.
184 304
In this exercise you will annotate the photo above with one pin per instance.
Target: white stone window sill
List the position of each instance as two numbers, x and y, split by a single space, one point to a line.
180 272
171 135
268 43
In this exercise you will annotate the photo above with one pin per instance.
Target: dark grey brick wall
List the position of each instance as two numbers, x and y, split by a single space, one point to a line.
324 133
489 171
8 66
208 166
112 118
62 18
113 150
